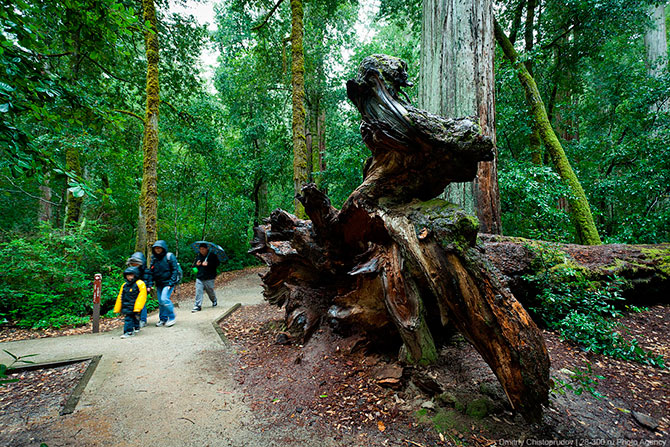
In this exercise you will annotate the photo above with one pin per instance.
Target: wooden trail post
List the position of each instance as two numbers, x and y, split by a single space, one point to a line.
97 288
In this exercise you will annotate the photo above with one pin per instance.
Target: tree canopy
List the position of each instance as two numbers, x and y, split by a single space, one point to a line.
72 101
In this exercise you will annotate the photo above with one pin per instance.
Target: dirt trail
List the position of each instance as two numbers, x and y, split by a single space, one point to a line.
166 386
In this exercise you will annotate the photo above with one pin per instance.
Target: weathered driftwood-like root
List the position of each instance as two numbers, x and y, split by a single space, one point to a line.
393 263
424 257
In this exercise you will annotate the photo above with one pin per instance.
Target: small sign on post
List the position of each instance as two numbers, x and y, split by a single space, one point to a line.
97 290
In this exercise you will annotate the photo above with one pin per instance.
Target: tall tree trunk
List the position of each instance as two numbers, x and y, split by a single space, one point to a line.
73 203
534 140
147 231
319 159
656 46
457 79
260 193
46 211
261 209
580 211
300 163
72 156
315 139
310 137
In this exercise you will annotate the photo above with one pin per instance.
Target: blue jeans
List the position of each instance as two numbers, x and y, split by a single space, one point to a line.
143 314
131 322
165 306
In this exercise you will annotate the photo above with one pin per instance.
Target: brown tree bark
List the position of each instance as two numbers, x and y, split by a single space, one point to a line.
300 161
394 261
457 80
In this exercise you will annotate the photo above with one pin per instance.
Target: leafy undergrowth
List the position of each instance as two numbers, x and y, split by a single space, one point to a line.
185 293
353 398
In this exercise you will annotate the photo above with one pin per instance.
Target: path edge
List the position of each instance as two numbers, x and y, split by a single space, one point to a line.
73 399
216 323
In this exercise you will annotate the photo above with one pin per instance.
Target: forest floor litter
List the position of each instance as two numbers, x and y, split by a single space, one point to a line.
337 392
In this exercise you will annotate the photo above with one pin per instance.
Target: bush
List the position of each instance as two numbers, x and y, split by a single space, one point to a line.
46 280
583 311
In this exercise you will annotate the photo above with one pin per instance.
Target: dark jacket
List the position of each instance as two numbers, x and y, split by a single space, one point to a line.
145 272
132 296
164 266
208 271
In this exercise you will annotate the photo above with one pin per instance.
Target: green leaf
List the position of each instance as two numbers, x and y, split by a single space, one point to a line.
4 108
10 354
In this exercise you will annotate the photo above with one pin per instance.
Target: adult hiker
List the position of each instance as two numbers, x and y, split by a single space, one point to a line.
138 260
164 272
205 263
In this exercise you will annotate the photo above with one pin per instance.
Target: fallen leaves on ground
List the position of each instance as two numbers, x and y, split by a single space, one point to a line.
340 394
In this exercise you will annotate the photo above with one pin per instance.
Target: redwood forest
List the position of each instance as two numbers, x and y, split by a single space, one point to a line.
436 222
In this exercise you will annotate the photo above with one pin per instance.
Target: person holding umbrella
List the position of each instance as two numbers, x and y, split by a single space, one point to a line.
205 263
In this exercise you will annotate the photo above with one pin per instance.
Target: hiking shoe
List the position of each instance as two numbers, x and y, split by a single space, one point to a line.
196 309
160 323
170 322
215 303
127 335
142 324
136 331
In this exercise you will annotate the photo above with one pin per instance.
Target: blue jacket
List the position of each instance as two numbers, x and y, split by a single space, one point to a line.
164 266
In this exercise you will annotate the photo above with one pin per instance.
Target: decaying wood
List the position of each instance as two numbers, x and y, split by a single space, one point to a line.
394 263
645 269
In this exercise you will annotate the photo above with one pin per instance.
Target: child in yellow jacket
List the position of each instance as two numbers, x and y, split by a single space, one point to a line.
132 298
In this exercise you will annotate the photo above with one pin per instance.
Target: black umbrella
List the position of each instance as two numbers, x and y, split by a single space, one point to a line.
213 248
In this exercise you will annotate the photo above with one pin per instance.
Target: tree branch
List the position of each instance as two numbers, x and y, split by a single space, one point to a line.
127 112
516 21
181 114
27 193
559 37
267 17
40 55
109 73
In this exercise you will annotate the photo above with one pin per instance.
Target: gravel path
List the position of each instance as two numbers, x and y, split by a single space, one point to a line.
166 386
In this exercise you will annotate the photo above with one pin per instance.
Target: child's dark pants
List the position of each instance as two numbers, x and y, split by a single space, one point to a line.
131 322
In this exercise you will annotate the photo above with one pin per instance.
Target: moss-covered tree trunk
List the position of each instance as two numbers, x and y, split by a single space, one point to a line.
147 233
580 211
643 269
457 80
73 202
300 161
534 140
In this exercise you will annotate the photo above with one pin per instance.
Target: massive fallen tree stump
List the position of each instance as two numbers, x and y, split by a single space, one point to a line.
395 263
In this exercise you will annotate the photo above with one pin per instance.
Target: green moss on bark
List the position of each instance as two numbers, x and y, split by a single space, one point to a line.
149 194
300 171
73 205
580 211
